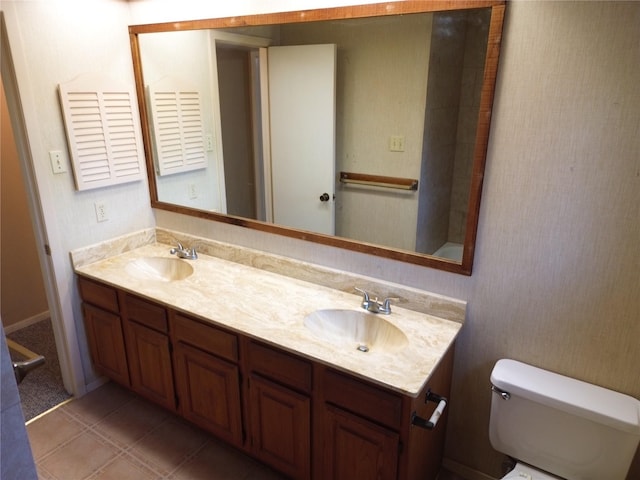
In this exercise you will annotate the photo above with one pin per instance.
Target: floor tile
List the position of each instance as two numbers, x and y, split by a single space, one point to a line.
99 403
43 474
112 434
215 461
125 467
169 445
128 424
50 431
80 457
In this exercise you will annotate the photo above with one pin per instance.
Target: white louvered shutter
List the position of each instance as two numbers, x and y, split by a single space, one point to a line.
176 115
103 131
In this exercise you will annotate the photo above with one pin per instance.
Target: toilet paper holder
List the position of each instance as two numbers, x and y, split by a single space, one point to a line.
435 416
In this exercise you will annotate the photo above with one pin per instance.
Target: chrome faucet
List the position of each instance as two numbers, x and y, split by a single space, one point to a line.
374 306
186 253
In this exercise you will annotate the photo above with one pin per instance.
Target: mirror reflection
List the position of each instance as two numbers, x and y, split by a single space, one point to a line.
360 128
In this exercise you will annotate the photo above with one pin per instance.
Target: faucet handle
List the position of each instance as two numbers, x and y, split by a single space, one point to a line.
367 303
364 294
386 305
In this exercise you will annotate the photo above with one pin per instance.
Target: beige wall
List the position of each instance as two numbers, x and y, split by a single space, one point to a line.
557 274
23 296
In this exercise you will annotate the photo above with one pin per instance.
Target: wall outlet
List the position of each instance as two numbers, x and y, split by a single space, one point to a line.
101 211
193 191
57 162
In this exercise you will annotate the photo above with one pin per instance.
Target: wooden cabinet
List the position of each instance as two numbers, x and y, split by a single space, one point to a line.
357 448
106 343
150 364
365 430
369 401
208 384
280 409
362 422
303 418
100 295
280 427
148 350
104 330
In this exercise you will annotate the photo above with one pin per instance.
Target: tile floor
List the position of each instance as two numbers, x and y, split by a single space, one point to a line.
112 434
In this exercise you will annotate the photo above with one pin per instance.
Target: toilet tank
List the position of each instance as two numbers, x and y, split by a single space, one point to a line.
566 427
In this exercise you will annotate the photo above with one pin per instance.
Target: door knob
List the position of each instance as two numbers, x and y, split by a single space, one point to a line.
324 197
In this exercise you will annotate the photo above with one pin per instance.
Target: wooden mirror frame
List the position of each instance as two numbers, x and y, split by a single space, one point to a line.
340 13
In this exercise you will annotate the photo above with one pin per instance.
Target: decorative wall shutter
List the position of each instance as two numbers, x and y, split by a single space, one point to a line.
176 113
103 131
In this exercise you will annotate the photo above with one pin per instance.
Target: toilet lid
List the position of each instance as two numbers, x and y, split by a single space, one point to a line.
525 472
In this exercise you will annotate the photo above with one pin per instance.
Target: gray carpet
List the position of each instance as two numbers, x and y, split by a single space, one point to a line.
42 388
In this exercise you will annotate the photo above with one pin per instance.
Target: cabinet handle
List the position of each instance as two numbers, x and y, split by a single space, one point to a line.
435 416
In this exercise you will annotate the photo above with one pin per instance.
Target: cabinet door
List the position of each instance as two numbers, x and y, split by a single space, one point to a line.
106 343
280 427
150 364
209 392
356 448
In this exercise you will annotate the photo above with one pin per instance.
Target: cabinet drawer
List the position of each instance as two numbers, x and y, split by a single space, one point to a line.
205 337
280 366
98 294
146 313
366 400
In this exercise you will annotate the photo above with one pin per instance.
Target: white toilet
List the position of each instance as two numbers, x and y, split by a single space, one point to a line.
558 427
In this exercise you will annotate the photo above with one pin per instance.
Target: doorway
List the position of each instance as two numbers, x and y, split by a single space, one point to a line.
284 173
24 307
240 128
68 353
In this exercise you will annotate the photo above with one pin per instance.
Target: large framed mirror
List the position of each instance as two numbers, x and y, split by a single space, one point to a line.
361 127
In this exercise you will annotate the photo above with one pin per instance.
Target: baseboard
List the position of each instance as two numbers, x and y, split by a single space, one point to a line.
26 322
463 471
95 384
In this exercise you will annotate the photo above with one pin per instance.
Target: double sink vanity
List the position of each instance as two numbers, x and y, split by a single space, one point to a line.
276 357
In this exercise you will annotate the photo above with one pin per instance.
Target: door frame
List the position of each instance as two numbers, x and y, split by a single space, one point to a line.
261 144
66 344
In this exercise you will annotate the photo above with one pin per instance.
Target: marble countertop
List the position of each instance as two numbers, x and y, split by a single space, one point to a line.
272 307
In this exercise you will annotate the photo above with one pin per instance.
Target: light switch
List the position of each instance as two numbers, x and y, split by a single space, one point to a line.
396 143
208 142
57 162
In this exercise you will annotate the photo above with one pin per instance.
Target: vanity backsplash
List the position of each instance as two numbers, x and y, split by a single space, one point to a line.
409 298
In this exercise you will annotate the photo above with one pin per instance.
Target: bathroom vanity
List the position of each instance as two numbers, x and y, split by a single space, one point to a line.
226 348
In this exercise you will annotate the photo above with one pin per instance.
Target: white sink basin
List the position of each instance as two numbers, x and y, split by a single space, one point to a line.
356 329
159 268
